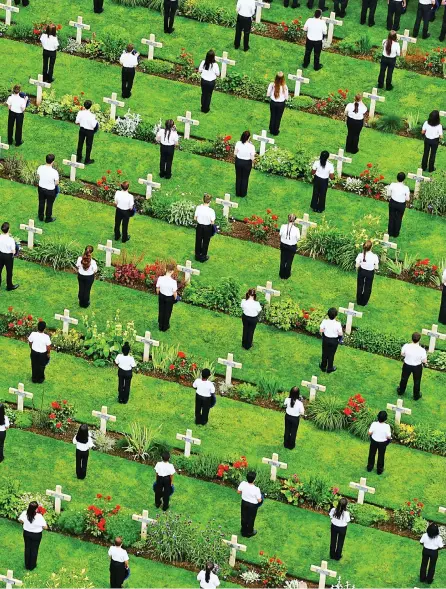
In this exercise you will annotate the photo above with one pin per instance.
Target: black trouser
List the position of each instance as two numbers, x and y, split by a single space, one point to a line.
46 202
117 574
287 253
369 5
354 128
276 112
337 541
242 171
379 447
86 135
38 362
207 87
340 7
15 118
394 10
423 14
32 542
430 151
442 313
24 2
7 261
2 444
124 382
329 347
49 59
122 219
85 283
320 186
170 7
291 427
165 306
396 213
203 234
429 557
163 489
387 65
309 46
202 408
443 26
295 3
249 326
417 373
81 463
98 6
364 286
248 517
243 24
127 77
320 4
166 159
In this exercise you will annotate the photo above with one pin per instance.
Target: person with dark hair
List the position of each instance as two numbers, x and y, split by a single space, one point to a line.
294 409
167 291
244 153
424 13
316 30
414 357
84 443
369 5
209 71
331 331
129 62
250 317
432 542
278 95
208 579
7 252
98 6
322 170
340 518
125 363
391 50
88 125
289 236
205 219
16 109
251 497
50 44
168 139
399 194
380 436
124 202
164 481
394 11
119 564
170 8
245 9
366 264
40 345
47 188
442 313
4 425
204 390
86 270
340 7
354 113
433 132
33 525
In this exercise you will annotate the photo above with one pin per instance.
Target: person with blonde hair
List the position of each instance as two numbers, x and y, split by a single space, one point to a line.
354 114
366 264
278 95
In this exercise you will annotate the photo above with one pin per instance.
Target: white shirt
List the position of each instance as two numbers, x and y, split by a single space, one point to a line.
84 447
48 177
250 307
210 74
350 111
204 215
164 469
289 234
246 7
164 139
380 432
39 341
331 328
250 492
7 244
432 132
432 543
118 554
125 362
394 51
124 200
86 119
425 2
205 388
128 59
5 426
49 42
16 103
443 278
167 285
297 410
342 521
398 192
371 261
244 151
413 354
283 93
323 172
37 524
93 268
316 28
213 582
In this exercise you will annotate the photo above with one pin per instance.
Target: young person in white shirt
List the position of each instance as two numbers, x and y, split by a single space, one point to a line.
83 442
366 264
208 579
391 49
294 409
129 62
289 236
442 312
432 543
414 357
125 363
380 436
354 113
33 525
316 30
424 13
88 125
278 95
244 152
209 71
322 170
331 331
203 396
40 345
433 132
251 497
251 311
168 139
399 194
16 109
164 481
166 289
86 271
246 9
4 425
394 10
119 564
124 202
47 191
49 44
205 219
340 518
7 252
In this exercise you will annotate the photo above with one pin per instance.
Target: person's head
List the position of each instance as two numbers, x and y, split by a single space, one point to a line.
209 568
332 313
130 48
126 349
401 176
169 125
82 434
118 541
86 261
251 476
294 395
88 104
2 414
279 82
41 326
341 507
209 59
5 227
382 416
251 294
207 198
165 456
416 336
391 37
317 13
366 247
245 136
323 158
51 30
50 158
125 185
170 268
432 530
291 218
434 118
358 99
89 249
16 89
31 511
205 373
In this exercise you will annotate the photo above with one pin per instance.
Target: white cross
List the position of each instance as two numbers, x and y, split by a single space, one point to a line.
350 312
58 497
399 409
144 519
149 184
31 230
442 510
362 489
8 8
306 224
323 571
434 334
147 341
66 320
113 102
234 546
263 141
419 178
79 26
227 204
21 394
104 417
331 22
259 6
3 146
109 250
152 44
341 159
406 38
225 61
73 166
275 464
188 121
386 244
8 578
313 387
442 113
188 271
268 290
373 95
299 79
40 85
230 364
188 440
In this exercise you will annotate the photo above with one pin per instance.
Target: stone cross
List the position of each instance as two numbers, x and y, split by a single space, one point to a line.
313 387
225 61
306 224
66 320
21 394
149 184
263 141
188 121
331 22
386 243
188 271
275 464
399 409
442 510
144 519
234 546
40 85
259 5
230 364
31 230
323 571
147 341
152 44
73 166
104 417
79 26
113 102
341 159
350 312
109 250
373 95
405 38
434 334
299 79
362 489
227 204
419 178
58 498
268 290
188 441
3 146
9 578
8 8
442 113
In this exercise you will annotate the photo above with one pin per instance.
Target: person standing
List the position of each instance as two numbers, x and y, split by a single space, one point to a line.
129 62
24 2
295 4
394 11
278 95
391 49
4 425
369 5
208 579
433 132
432 542
40 344
33 525
88 125
251 311
322 170
170 8
167 291
244 153
16 109
442 313
340 519
125 363
289 236
83 443
205 219
49 44
124 202
251 497
246 9
366 264
167 138
164 481
443 25
424 13
399 194
7 252
209 71
86 270
331 331
204 391
414 357
340 7
380 436
316 30
294 409
47 191
321 5
354 113
98 6
119 564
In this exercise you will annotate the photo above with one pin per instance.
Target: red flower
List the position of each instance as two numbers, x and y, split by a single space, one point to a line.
274 217
99 496
108 171
119 171
58 27
10 309
261 553
10 325
172 367
268 211
106 187
52 416
370 165
58 425
181 355
64 401
41 510
348 411
19 322
412 512
408 503
30 317
99 182
194 366
55 405
108 498
227 138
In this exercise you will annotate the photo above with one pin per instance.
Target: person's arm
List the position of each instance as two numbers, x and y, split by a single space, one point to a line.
321 328
157 290
48 350
126 564
175 295
253 153
424 360
158 137
171 478
332 176
357 263
56 181
376 263
201 67
269 91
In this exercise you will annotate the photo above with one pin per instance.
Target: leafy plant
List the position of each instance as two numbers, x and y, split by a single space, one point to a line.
76 579
250 576
222 296
57 254
141 441
19 323
333 104
361 424
103 347
98 514
102 442
71 343
198 465
318 492
182 213
272 570
375 342
10 503
246 391
390 123
127 125
72 522
268 385
114 42
283 313
61 416
262 227
432 196
406 515
326 411
367 514
123 526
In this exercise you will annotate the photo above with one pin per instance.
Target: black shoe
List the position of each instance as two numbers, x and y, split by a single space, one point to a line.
14 287
125 240
419 397
205 259
246 49
433 170
166 31
389 87
41 219
380 86
236 46
369 469
332 370
398 390
50 220
254 532
316 69
379 472
371 24
171 31
427 36
19 144
323 369
88 162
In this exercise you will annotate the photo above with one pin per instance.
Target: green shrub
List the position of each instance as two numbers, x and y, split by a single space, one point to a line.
72 343
408 515
145 132
141 441
268 385
375 342
419 526
283 162
198 465
157 67
312 324
301 102
114 41
432 197
58 254
72 522
368 515
270 489
361 426
242 85
390 123
103 442
318 492
23 420
182 213
359 46
22 31
40 418
429 439
246 391
5 91
123 526
10 502
223 296
326 411
158 207
283 313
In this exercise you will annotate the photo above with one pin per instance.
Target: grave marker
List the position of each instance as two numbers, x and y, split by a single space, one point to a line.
21 395
268 290
405 38
259 5
230 364
350 312
104 417
149 184
306 224
40 85
58 498
113 102
323 571
225 61
73 166
234 546
341 159
79 26
9 578
31 231
8 8
147 341
227 204
188 441
145 520
313 387
399 409
188 121
3 146
331 21
362 489
188 271
263 141
299 79
419 178
387 244
275 464
66 319
152 44
433 334
374 98
442 510
109 250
